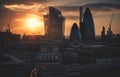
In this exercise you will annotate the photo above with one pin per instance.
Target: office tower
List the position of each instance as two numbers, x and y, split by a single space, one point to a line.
46 24
82 31
81 24
54 24
81 14
75 33
87 26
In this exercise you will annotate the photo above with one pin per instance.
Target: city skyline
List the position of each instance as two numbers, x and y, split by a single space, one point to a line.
22 11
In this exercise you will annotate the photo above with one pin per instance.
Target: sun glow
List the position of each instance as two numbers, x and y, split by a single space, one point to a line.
33 23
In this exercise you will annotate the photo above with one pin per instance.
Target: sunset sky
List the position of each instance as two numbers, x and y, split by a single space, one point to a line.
24 13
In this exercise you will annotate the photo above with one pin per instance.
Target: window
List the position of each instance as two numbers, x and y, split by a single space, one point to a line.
55 49
43 49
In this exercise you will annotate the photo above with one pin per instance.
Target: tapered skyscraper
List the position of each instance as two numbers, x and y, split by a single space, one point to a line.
75 33
87 26
54 24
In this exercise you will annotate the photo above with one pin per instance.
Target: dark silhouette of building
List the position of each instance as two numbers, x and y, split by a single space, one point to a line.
109 32
6 38
31 38
98 55
103 33
82 31
109 35
86 25
75 33
54 24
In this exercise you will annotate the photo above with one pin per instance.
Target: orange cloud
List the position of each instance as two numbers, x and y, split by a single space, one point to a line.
101 18
22 7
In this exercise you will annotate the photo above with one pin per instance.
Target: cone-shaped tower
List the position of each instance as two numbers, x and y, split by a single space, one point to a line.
75 33
89 25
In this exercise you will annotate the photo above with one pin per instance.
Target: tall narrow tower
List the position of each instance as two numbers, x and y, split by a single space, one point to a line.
81 24
103 33
81 14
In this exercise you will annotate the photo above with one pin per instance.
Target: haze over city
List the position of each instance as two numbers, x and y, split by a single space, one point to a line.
59 38
27 15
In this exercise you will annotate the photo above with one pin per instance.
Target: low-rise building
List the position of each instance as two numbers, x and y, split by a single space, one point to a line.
49 53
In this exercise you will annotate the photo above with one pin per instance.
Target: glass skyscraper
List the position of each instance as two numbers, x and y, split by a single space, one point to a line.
75 33
54 24
87 26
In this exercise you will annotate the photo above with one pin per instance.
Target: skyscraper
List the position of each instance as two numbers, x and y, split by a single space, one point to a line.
54 24
81 14
82 24
87 26
75 33
103 33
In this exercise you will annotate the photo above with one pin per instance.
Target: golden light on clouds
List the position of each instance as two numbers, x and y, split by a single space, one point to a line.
29 18
33 23
22 7
29 24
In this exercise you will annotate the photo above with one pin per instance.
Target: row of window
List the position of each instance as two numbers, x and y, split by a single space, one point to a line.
107 61
49 49
48 57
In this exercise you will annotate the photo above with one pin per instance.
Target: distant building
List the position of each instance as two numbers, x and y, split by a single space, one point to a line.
69 55
109 32
103 33
54 24
87 25
6 38
75 33
37 53
98 54
82 31
110 35
49 53
30 38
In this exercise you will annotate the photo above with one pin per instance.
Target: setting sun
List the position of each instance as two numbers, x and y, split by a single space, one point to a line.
33 23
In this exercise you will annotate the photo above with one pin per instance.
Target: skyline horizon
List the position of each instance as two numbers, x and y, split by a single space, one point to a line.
101 12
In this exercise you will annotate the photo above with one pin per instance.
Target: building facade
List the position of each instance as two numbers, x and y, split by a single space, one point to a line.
87 25
49 55
6 38
75 33
54 24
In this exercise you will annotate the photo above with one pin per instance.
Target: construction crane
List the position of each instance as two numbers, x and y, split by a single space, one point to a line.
9 23
109 32
111 20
